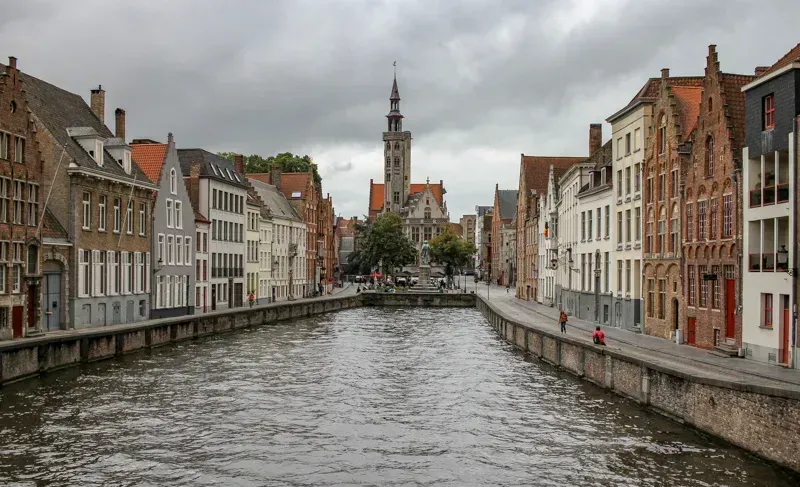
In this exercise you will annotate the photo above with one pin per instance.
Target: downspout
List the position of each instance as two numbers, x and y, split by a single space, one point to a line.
792 167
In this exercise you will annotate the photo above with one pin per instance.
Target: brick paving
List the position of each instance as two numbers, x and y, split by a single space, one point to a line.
680 357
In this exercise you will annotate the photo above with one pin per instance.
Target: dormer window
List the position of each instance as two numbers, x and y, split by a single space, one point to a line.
98 152
214 168
126 162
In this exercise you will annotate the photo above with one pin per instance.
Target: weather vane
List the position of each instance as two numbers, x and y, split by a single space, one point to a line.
395 68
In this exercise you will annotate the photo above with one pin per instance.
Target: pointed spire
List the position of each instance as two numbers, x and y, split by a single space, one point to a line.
395 96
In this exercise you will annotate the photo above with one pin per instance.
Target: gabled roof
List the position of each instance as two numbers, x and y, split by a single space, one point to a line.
688 98
59 110
211 166
377 195
734 99
508 203
150 158
647 93
274 199
537 168
793 56
295 184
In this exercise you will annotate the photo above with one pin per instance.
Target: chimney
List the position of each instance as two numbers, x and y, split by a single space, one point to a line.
119 120
665 73
99 103
595 137
238 163
760 70
712 48
275 175
194 184
12 62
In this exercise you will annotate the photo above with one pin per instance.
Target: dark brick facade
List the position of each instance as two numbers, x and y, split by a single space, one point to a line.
712 208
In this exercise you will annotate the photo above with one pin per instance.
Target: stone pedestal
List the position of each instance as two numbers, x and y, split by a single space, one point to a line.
424 275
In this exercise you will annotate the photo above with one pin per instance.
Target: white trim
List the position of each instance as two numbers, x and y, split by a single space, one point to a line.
96 174
770 76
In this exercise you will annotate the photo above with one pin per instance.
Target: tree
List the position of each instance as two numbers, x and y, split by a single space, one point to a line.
287 161
386 244
449 249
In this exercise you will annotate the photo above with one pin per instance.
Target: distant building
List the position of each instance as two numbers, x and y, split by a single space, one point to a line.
469 228
504 218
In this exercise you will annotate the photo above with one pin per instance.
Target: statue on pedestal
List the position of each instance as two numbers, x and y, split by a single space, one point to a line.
425 254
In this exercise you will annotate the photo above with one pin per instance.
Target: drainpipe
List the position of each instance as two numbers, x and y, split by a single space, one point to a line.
793 164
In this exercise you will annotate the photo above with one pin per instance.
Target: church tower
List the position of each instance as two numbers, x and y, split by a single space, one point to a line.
397 156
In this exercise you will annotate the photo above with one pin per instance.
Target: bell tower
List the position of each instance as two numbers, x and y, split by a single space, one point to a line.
397 156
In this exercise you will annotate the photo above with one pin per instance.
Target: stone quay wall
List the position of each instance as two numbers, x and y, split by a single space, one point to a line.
419 299
762 420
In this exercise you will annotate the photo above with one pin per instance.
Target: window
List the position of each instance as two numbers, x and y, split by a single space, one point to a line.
141 278
673 235
712 221
702 271
715 288
619 148
701 219
628 276
650 189
188 250
627 180
649 241
117 214
627 226
170 215
662 299
692 277
769 113
127 278
113 272
583 226
33 259
637 177
651 286
619 183
662 187
16 278
4 137
178 250
766 305
727 215
214 199
19 188
583 272
173 182
33 204
87 212
142 219
619 276
19 150
689 222
129 218
662 135
599 217
636 136
84 275
5 199
589 218
638 223
662 230
674 183
101 210
178 214
170 250
608 221
619 227
160 255
627 143
427 213
710 157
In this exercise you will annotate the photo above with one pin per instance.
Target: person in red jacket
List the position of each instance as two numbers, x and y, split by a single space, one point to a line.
598 337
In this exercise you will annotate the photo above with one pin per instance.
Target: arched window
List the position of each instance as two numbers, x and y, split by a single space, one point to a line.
709 156
662 134
710 104
33 259
427 213
396 162
397 146
173 182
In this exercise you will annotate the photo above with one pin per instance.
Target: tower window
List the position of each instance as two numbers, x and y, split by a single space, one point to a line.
397 197
388 161
396 162
388 176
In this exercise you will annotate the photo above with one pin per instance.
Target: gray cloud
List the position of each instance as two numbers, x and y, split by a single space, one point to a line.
481 81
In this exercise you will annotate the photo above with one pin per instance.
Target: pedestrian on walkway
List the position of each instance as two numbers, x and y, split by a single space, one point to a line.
251 298
562 318
598 337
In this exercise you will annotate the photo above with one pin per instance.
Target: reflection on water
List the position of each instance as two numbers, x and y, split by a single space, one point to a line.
364 397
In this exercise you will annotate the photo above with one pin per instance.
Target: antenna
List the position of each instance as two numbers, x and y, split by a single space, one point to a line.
395 68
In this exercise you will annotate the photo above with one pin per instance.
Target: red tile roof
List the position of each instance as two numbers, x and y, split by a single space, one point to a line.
294 182
790 57
537 169
200 218
376 193
150 159
260 176
688 107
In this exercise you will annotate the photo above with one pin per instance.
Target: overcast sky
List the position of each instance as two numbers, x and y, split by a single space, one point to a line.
480 81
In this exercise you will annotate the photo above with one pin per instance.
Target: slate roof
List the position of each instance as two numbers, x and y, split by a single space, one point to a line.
508 203
537 169
482 210
734 99
211 166
274 200
377 196
58 110
150 158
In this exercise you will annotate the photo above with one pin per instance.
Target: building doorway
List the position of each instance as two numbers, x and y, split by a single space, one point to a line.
213 297
786 330
675 314
691 332
730 308
16 321
51 320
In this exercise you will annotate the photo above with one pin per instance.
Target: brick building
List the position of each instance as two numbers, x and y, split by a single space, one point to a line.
21 172
534 172
503 227
326 243
667 157
711 243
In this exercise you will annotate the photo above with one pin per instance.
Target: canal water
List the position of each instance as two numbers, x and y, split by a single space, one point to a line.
361 397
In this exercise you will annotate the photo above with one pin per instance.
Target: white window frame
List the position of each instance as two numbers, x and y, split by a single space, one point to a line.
169 213
102 203
187 242
178 250
87 211
129 218
142 219
170 250
178 214
117 215
173 182
160 250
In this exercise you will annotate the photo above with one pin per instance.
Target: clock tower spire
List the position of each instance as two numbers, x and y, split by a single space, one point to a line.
397 155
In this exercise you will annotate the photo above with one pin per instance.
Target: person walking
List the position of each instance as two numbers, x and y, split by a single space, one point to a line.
251 298
562 318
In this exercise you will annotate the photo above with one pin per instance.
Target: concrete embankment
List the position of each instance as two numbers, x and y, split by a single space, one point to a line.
764 420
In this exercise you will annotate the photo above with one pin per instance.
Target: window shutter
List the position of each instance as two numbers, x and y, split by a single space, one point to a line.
80 272
147 273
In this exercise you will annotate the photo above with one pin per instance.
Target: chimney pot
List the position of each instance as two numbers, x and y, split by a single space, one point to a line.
665 73
12 62
760 70
98 103
119 116
712 48
595 137
238 163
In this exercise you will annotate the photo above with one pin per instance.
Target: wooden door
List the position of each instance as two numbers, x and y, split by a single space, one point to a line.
785 331
730 308
691 332
16 321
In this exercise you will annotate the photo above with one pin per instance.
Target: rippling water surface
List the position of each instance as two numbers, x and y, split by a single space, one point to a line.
362 397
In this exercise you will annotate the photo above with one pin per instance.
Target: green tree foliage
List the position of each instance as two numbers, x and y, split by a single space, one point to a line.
287 161
385 243
449 249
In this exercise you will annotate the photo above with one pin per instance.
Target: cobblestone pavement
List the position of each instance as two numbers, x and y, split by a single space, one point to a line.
682 357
